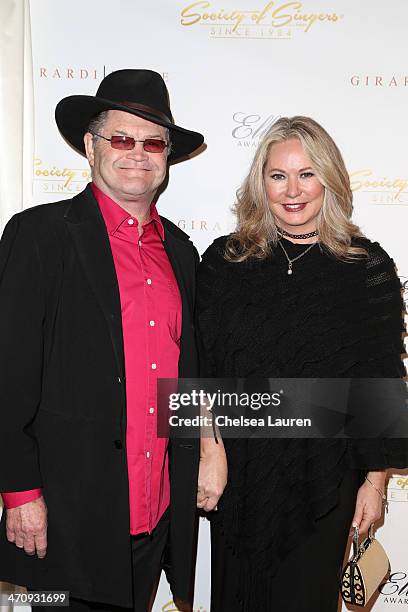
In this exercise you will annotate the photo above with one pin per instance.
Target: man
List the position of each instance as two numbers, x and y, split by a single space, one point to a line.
91 289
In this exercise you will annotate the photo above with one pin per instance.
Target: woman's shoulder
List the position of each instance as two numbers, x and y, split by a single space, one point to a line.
376 254
216 271
215 253
218 245
381 271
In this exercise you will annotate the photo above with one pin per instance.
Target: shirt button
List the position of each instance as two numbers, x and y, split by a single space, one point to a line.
154 366
140 243
151 410
148 454
151 323
149 281
131 221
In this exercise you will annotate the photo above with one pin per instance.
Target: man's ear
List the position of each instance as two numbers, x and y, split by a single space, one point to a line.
89 148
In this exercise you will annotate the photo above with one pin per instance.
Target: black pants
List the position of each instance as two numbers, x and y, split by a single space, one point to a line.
147 559
308 579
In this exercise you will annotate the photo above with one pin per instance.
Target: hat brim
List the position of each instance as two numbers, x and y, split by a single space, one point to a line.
74 113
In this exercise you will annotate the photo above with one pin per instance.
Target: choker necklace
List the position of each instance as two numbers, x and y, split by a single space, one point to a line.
283 232
290 261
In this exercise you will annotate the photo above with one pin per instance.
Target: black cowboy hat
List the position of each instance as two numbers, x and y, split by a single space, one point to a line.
139 92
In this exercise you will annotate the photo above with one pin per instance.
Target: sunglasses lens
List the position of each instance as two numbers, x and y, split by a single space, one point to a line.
125 143
154 145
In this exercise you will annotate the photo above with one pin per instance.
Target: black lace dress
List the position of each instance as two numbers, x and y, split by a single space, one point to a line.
328 319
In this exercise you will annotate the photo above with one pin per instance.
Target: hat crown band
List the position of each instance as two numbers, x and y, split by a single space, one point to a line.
147 109
142 88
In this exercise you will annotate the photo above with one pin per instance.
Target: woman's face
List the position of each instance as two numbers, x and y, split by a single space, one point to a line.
294 192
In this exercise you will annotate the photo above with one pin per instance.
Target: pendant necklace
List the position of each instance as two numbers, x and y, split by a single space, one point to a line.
291 261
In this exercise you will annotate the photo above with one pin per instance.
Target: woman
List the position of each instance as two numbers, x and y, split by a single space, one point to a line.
295 292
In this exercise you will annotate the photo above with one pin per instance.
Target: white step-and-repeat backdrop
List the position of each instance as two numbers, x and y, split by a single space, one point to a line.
232 68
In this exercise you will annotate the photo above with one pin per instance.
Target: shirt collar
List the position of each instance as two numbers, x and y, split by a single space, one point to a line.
155 217
114 215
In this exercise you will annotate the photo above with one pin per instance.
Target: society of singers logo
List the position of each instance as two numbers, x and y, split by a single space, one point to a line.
380 189
397 490
274 20
49 178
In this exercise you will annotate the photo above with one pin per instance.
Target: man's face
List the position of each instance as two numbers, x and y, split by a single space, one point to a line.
127 175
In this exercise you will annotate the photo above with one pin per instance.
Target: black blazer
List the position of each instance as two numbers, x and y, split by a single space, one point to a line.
63 402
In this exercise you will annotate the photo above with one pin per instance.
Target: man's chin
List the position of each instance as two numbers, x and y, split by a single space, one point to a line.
135 185
138 192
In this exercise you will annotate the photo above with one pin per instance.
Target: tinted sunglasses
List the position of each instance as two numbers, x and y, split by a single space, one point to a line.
127 143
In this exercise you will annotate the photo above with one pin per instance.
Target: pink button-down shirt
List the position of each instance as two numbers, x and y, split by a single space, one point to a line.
151 321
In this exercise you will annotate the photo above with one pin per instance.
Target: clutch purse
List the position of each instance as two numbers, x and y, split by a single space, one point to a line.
365 571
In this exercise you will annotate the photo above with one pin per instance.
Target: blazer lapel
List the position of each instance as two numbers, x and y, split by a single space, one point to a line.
179 252
87 228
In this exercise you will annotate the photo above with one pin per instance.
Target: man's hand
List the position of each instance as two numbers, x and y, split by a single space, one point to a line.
212 475
26 526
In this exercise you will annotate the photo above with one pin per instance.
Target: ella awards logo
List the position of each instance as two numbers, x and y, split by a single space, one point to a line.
249 128
395 590
274 20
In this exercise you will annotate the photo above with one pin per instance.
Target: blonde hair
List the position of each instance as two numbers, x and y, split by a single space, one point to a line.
256 231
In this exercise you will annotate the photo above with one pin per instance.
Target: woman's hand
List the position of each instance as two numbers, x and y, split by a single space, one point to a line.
212 475
369 502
